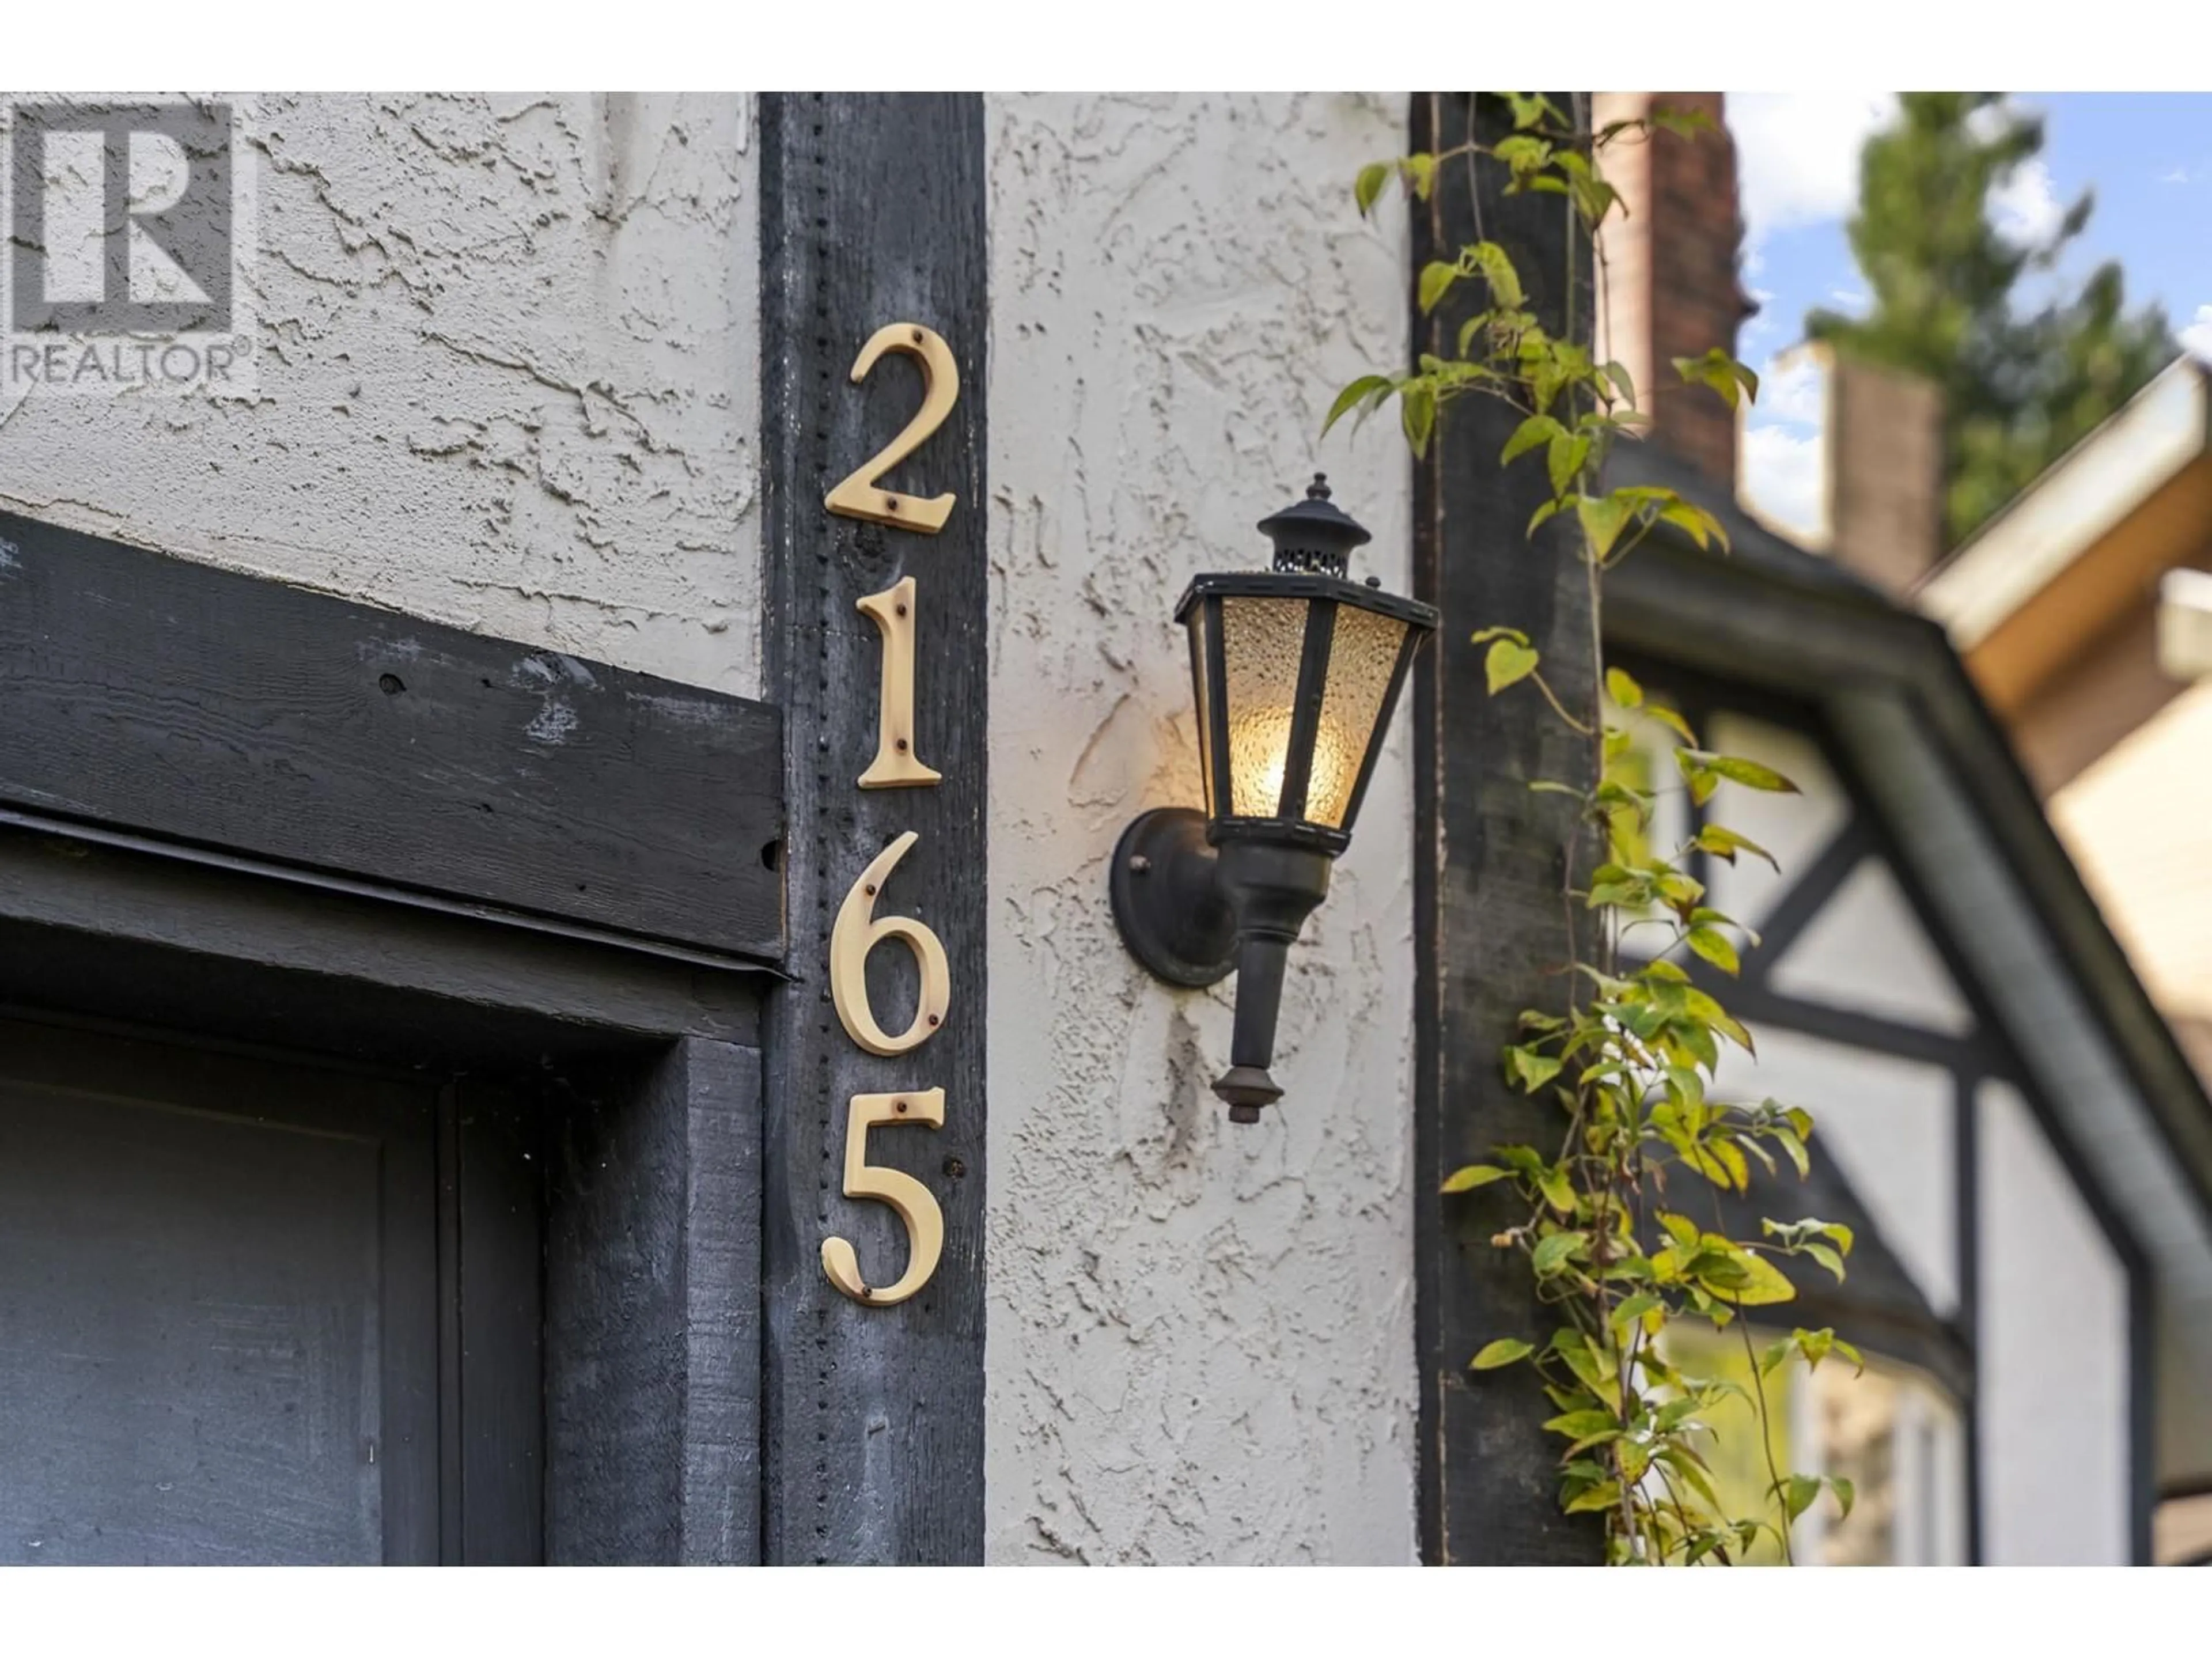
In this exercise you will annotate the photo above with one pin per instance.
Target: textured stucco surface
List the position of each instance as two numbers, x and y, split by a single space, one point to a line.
508 378
1201 1336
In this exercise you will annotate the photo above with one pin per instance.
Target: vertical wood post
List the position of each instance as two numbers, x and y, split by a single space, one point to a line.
1490 871
872 213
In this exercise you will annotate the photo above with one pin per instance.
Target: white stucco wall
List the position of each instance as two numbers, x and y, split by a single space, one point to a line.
508 378
2054 1361
1201 1335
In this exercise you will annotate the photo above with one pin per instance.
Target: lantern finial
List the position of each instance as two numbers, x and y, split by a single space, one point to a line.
1315 536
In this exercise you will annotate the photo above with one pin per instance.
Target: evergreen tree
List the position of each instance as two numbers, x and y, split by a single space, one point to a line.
2019 390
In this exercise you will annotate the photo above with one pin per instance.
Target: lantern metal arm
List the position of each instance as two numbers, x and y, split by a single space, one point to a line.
1197 893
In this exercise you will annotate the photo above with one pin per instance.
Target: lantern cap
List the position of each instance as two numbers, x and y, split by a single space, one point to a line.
1315 535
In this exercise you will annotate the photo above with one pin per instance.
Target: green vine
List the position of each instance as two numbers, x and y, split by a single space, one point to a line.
1608 1238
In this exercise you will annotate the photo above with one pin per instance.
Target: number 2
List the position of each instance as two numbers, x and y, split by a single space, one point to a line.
908 1198
861 497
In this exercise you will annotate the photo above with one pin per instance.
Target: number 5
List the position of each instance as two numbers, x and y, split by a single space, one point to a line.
860 496
925 1222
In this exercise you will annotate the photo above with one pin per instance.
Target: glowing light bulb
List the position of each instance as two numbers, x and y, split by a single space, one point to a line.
1260 751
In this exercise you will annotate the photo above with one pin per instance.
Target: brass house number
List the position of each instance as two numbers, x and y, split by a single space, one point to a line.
859 929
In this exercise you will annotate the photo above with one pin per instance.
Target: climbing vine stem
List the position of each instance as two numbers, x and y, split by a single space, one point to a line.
1602 1213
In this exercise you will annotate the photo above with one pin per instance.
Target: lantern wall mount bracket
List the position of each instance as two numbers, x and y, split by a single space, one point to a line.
1296 669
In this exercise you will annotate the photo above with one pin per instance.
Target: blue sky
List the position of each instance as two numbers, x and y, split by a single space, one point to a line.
2148 156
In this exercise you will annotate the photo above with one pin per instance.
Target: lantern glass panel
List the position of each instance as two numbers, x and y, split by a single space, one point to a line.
1203 692
1263 639
1363 656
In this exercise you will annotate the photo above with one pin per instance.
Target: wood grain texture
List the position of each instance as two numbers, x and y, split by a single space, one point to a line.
204 707
652 1313
1492 921
872 212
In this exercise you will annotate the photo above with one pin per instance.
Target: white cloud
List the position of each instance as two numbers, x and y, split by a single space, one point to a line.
2024 207
1852 301
1785 481
1793 391
2197 337
1797 154
2174 176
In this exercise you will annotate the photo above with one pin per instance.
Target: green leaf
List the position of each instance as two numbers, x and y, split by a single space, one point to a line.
1558 1192
1635 1308
1543 513
1713 945
1722 372
1531 1069
1468 1176
1750 774
1497 268
1846 1493
1482 636
1564 463
1724 844
1623 381
1552 1252
1503 1352
1827 1258
1352 396
1623 689
1766 1283
1603 518
1575 1424
1798 1492
1369 185
1507 663
1417 413
1532 433
1420 173
1603 1496
1437 278
1701 526
1790 1141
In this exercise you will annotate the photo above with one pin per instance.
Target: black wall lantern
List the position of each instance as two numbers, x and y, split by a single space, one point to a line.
1295 672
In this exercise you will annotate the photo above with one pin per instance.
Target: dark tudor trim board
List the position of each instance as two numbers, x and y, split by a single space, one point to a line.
872 213
1933 777
1487 876
597 1008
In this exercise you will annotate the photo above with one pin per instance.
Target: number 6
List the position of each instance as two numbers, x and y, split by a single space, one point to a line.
858 932
925 1222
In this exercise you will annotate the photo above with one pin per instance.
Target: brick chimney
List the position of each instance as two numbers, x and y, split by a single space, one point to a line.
1884 459
1671 287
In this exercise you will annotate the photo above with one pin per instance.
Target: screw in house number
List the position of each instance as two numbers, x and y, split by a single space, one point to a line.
862 495
896 765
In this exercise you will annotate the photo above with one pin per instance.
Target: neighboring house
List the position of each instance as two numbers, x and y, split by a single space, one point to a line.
2081 610
1936 984
428 793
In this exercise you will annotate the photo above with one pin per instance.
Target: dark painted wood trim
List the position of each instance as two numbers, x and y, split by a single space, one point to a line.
1966 1172
652 1313
872 212
214 713
1491 917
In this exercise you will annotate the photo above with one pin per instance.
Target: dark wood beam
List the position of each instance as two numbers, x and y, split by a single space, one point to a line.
872 213
1493 922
